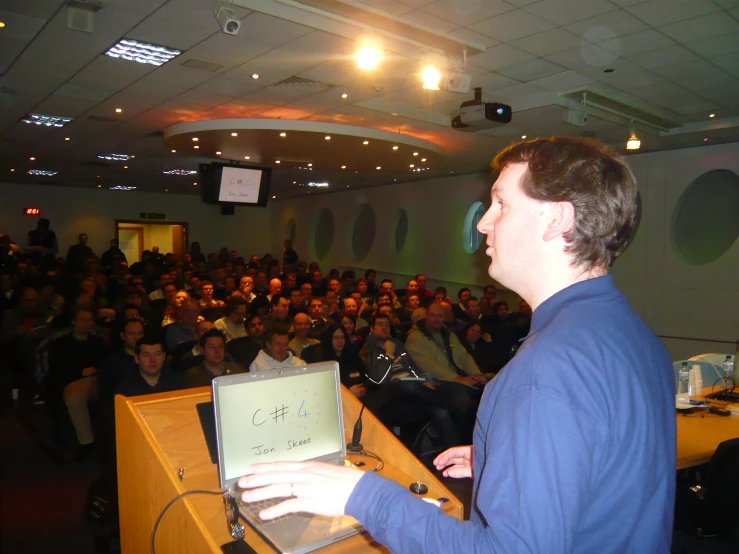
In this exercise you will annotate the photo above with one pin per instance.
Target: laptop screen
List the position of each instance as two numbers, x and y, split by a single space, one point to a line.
289 418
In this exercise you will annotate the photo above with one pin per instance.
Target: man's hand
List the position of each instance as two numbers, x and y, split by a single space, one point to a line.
86 372
389 348
358 390
469 380
457 461
313 487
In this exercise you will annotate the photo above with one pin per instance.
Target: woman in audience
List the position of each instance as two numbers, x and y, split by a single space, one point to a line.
170 313
335 347
478 348
349 324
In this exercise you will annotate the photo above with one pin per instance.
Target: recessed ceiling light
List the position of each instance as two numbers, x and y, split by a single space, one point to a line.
415 153
196 146
283 135
118 110
277 161
247 157
310 165
116 157
2 24
32 159
195 139
366 142
46 120
173 151
142 52
67 138
255 76
711 115
378 167
218 153
195 184
125 167
234 134
395 147
347 186
100 186
345 95
41 172
180 172
12 170
423 159
327 137
412 165
295 182
274 197
343 167
705 139
523 136
368 58
166 190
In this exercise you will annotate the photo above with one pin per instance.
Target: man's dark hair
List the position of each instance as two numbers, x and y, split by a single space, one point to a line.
349 274
275 301
150 338
379 316
441 290
79 237
209 334
76 309
461 291
498 304
251 318
386 281
419 275
233 304
132 320
469 299
43 222
488 287
593 178
278 330
368 272
317 299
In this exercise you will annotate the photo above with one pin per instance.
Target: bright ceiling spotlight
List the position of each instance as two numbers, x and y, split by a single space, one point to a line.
633 143
283 135
368 56
431 78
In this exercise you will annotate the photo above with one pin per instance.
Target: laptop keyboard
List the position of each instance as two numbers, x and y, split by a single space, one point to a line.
255 507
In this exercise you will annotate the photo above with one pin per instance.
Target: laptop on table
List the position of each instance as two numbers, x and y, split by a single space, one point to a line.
282 415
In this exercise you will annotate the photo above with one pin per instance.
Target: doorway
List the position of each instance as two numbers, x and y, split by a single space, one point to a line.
135 236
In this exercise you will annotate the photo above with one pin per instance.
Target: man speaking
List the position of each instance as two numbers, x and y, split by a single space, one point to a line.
574 447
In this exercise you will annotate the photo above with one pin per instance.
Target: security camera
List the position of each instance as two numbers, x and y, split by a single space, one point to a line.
225 19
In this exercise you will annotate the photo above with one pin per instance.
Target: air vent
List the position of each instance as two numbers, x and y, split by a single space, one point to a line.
80 19
200 64
102 119
296 84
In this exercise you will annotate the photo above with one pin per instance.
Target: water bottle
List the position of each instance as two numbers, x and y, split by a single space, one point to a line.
728 372
683 380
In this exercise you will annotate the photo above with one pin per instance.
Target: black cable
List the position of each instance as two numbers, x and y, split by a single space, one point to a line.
175 499
366 453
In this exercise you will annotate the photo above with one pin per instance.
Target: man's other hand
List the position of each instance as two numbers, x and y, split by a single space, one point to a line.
456 462
313 487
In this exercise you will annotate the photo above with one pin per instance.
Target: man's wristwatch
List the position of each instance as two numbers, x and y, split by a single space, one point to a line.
235 529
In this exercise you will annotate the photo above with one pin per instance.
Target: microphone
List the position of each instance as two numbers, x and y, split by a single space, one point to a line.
355 445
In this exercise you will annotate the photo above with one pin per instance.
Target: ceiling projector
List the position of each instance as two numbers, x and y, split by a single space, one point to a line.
476 115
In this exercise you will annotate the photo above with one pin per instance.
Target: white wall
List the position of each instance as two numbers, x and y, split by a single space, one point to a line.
676 299
76 210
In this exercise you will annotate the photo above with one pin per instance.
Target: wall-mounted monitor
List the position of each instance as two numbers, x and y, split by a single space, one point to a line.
234 184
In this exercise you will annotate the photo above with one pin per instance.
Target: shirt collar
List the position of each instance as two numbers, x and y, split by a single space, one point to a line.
583 290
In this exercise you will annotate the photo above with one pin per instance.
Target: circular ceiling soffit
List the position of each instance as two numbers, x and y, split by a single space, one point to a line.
299 143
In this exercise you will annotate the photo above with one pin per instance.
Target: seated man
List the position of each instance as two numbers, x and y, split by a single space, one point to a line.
278 314
411 302
213 346
462 294
150 375
207 300
232 324
74 360
302 334
349 309
386 287
382 355
317 321
488 299
296 303
275 353
255 327
275 289
439 353
185 329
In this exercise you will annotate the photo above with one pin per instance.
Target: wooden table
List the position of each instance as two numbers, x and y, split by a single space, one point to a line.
700 433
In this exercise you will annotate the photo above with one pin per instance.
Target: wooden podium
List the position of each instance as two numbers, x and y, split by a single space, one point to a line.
159 436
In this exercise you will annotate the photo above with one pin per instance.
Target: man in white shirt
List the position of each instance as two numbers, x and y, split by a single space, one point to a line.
232 324
275 354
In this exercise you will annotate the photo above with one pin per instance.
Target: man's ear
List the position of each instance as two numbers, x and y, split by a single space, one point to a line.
136 357
560 218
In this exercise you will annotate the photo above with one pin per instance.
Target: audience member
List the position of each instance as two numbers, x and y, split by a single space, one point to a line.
302 338
213 347
184 329
232 324
488 299
151 374
335 346
275 353
112 257
207 290
289 257
278 314
254 327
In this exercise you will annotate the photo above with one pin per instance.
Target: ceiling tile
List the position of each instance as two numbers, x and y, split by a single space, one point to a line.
190 12
562 82
625 3
428 21
587 55
696 107
227 87
716 46
468 35
659 12
637 43
511 26
499 57
727 4
388 6
729 63
265 29
493 81
611 72
521 3
224 50
173 34
416 4
707 26
663 57
548 42
531 70
467 12
635 80
335 72
562 12
607 26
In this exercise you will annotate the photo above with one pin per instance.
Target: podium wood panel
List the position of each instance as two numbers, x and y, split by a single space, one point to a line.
160 433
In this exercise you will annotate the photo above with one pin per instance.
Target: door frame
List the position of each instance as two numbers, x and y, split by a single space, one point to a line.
133 222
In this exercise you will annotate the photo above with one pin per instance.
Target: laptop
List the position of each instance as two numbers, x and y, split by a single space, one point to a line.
291 414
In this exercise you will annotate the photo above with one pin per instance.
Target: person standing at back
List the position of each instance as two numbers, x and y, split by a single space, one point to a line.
574 447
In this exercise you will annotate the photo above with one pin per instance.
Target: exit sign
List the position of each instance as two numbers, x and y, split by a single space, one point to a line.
32 211
152 216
